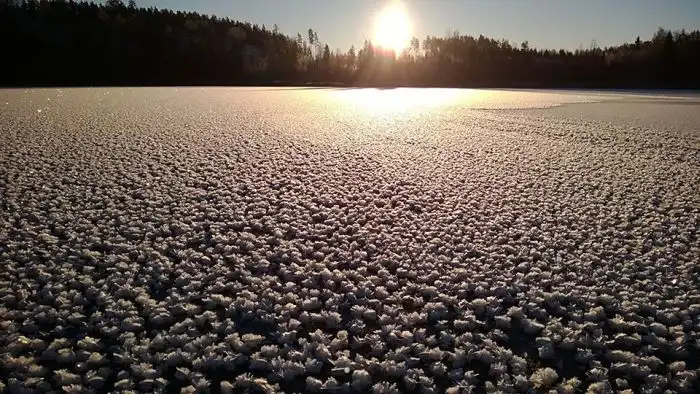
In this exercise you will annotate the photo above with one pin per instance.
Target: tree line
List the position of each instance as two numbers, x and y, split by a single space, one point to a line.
68 43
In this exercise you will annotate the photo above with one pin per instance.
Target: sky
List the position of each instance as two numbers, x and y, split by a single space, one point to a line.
552 24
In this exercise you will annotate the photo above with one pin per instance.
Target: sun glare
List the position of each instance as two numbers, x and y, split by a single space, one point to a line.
400 102
392 28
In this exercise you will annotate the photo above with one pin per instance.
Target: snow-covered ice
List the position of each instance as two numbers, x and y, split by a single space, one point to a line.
366 240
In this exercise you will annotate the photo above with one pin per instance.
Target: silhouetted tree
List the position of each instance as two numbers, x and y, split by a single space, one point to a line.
114 3
65 42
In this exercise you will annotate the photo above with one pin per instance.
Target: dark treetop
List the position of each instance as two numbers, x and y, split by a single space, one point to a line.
64 43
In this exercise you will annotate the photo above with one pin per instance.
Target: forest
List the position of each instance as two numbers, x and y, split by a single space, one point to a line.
67 43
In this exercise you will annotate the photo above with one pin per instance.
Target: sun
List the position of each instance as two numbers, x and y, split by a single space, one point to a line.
392 29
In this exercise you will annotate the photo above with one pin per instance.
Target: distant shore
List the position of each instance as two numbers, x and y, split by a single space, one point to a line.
530 86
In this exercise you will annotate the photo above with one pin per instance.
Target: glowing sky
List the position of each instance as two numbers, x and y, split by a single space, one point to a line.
544 23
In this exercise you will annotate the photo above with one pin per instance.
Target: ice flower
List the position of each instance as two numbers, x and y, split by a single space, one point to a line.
341 341
621 356
595 314
464 388
569 386
124 384
96 360
498 370
313 366
544 378
361 379
226 387
330 384
95 381
437 369
313 384
677 366
531 327
385 388
600 387
89 343
628 341
597 374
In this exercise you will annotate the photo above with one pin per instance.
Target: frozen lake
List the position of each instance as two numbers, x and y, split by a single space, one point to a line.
365 239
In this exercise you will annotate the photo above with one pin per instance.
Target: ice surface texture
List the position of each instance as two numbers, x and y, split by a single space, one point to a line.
202 240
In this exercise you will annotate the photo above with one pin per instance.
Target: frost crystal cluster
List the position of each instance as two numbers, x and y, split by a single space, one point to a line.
288 240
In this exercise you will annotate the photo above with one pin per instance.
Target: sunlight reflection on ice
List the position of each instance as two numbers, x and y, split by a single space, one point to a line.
416 101
383 101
